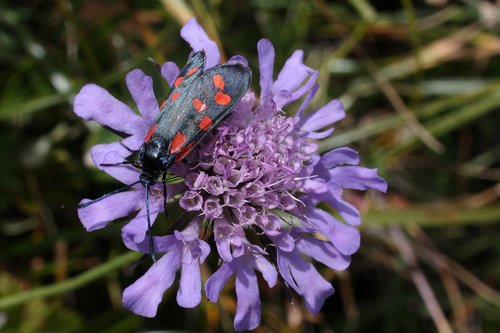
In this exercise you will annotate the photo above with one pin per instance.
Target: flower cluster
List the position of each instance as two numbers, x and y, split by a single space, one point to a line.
259 179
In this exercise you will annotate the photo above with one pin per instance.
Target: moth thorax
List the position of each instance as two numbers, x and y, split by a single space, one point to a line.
151 157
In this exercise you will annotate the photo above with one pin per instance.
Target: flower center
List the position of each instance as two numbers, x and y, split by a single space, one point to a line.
251 169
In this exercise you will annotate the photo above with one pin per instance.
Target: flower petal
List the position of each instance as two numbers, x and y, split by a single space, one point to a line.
267 269
114 153
324 116
349 213
266 64
305 103
229 239
248 302
333 196
284 241
141 88
291 79
170 71
304 279
191 201
137 228
96 103
100 213
238 59
281 98
223 244
217 281
144 295
191 232
161 244
339 156
301 91
344 237
358 178
317 185
198 39
319 135
134 142
323 252
205 250
292 75
189 293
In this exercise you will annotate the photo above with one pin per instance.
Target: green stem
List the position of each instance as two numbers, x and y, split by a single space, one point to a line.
449 215
70 284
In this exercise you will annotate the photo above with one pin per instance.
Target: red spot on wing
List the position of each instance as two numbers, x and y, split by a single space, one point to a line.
174 96
177 142
183 153
199 105
151 131
218 81
222 99
178 81
192 71
205 123
163 103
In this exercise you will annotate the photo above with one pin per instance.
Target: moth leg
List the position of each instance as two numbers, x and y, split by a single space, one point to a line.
134 163
164 181
115 164
152 251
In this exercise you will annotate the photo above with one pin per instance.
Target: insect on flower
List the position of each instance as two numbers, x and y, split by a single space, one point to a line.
198 101
261 166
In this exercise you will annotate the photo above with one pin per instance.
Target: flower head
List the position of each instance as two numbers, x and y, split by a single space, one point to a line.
259 179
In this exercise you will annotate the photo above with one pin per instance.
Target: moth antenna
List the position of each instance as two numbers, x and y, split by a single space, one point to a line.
150 236
121 134
126 147
88 203
152 61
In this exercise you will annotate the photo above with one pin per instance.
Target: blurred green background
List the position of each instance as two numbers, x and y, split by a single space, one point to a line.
421 86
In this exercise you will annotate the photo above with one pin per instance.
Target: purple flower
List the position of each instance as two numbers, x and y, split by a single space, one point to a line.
259 174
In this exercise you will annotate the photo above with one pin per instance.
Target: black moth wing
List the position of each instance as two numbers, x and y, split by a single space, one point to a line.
182 116
192 70
237 79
